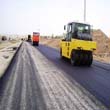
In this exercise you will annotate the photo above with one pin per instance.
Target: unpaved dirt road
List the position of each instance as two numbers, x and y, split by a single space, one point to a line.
32 82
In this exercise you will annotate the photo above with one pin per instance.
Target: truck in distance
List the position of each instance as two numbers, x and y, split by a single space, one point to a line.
35 38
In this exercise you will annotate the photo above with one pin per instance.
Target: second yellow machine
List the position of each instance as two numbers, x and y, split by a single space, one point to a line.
78 45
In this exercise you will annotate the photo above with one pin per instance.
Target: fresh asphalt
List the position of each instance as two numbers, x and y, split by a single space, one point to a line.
95 79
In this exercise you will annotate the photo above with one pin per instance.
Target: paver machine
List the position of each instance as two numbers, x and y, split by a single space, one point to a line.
78 45
35 38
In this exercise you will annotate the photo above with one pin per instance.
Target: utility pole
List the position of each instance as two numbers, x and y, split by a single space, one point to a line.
84 10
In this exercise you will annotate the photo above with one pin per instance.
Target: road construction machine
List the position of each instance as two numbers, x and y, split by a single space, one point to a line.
78 45
29 38
35 38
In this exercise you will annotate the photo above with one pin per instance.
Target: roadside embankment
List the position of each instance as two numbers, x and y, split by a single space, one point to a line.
6 56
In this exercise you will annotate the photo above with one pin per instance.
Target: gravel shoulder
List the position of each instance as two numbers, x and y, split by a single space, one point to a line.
6 55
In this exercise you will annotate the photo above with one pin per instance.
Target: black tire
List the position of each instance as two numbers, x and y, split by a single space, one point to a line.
74 58
90 59
62 57
82 58
37 44
86 59
78 58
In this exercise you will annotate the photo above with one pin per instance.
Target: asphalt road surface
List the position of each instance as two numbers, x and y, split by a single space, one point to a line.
33 82
95 79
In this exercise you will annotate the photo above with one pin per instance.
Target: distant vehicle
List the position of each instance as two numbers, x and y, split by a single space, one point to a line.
29 38
4 38
78 45
35 38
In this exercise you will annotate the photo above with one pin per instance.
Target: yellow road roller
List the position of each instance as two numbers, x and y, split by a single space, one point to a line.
78 45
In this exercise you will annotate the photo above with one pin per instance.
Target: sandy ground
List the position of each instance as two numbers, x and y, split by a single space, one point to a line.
4 44
54 43
6 54
102 59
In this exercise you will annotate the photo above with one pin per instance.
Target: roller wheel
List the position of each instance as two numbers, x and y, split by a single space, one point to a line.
78 58
61 54
90 59
86 59
37 44
83 59
74 58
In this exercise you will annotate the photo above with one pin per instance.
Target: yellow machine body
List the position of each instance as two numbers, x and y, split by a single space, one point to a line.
74 44
78 45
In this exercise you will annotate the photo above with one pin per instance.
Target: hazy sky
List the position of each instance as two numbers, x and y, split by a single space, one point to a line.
49 16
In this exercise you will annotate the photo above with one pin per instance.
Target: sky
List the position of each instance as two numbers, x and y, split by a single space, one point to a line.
49 16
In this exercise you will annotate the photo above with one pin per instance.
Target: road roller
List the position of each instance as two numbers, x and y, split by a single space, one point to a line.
78 45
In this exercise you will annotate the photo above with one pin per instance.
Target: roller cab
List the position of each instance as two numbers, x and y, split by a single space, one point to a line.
78 45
